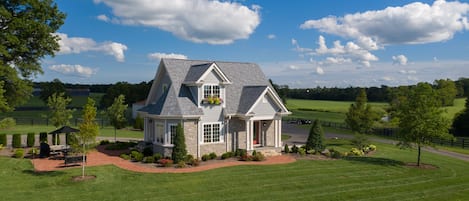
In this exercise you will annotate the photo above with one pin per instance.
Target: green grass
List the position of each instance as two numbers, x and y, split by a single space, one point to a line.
103 132
380 177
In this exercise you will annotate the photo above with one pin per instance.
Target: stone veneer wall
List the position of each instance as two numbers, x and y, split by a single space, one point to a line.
218 148
190 134
237 132
270 133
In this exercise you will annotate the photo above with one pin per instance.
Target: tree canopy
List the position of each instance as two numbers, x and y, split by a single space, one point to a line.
420 118
360 116
116 113
59 114
88 128
27 30
49 88
446 91
460 125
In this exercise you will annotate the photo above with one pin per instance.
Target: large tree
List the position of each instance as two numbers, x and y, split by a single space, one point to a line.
59 114
360 116
447 91
88 128
316 138
49 88
420 118
27 30
116 113
461 121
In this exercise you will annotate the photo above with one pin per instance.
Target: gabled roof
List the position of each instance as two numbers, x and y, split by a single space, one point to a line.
197 74
246 81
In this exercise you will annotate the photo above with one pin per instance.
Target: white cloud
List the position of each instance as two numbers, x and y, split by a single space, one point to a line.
76 45
408 71
417 23
158 56
319 70
103 18
73 70
435 59
400 60
200 21
271 36
293 67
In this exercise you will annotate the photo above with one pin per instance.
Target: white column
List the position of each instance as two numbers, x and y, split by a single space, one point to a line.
279 132
247 134
275 133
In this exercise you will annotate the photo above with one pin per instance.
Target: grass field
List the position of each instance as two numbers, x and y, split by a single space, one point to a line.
334 111
379 177
77 101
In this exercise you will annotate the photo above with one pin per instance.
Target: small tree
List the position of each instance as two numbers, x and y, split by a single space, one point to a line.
316 137
60 115
179 149
30 140
88 128
360 116
420 118
116 114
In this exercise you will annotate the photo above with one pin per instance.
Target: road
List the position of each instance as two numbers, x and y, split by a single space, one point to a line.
300 135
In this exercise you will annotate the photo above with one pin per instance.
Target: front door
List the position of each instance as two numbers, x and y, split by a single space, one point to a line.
256 132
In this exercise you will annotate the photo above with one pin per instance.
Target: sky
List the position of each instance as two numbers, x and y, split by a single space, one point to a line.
301 43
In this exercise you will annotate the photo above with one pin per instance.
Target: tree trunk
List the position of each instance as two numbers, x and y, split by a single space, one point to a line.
418 156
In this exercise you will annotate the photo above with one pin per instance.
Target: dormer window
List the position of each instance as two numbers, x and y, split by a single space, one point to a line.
211 91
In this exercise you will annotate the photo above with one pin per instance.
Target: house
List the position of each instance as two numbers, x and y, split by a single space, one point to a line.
222 106
137 106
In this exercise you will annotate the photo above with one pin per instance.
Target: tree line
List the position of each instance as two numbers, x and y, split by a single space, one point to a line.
448 90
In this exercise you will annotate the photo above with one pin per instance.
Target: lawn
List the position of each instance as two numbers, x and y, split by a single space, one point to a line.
106 131
380 177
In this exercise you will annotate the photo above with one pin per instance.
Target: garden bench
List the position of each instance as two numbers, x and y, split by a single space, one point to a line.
73 159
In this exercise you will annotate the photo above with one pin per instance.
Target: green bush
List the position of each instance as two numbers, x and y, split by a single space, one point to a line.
120 145
125 156
148 151
188 158
205 157
181 164
335 153
241 152
30 140
43 137
213 155
372 147
258 156
302 151
104 142
19 153
1 147
148 159
7 123
138 123
194 162
136 156
356 152
227 155
33 151
286 149
16 141
294 149
166 162
157 156
3 139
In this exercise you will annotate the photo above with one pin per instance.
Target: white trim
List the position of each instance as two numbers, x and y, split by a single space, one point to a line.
221 137
218 71
168 133
274 97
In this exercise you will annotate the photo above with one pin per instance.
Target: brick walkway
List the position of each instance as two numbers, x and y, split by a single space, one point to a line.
97 158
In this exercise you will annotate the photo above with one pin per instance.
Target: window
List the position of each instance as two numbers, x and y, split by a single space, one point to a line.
212 133
211 91
159 133
172 132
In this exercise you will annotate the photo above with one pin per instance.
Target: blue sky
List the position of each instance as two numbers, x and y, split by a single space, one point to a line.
301 43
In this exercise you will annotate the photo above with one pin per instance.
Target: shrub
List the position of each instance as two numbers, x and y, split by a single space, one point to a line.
302 151
181 164
19 153
294 149
148 151
335 153
30 140
179 149
258 156
1 147
104 142
16 141
241 152
359 141
286 149
138 123
246 158
136 156
157 156
125 156
205 157
33 151
372 147
194 162
7 123
3 139
226 155
43 137
188 158
166 162
120 145
356 152
148 159
213 155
